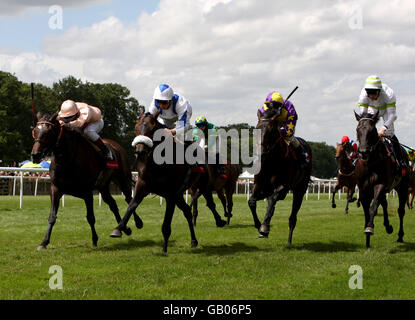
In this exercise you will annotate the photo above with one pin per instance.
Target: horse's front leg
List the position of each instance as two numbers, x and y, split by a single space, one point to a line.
256 196
379 193
140 193
90 217
193 205
336 188
55 196
279 194
168 217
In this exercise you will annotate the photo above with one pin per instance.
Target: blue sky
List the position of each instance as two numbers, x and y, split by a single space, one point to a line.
225 56
26 30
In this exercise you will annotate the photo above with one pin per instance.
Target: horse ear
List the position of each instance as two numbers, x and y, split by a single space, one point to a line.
357 116
156 115
259 114
38 116
54 116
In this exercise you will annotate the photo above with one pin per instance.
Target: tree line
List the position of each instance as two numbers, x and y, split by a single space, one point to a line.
119 109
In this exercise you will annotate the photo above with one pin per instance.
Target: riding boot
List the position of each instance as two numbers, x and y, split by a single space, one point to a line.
301 153
400 159
104 152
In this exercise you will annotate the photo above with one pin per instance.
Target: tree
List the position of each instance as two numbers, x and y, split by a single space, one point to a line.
323 160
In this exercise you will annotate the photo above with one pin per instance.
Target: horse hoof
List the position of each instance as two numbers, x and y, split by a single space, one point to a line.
370 231
220 223
346 211
41 248
194 244
116 234
389 229
139 224
400 240
128 231
333 206
263 235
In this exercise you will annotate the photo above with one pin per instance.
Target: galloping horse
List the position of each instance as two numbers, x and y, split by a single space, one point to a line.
280 172
75 170
377 175
168 180
221 186
346 176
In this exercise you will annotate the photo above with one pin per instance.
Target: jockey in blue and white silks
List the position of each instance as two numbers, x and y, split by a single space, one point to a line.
175 109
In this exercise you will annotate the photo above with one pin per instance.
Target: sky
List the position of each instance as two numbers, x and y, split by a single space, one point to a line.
224 56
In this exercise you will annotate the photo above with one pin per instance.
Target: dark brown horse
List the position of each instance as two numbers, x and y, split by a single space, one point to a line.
225 188
279 173
377 174
168 180
75 170
346 176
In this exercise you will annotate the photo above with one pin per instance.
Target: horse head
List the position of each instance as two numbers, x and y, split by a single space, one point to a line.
270 134
45 134
145 128
367 134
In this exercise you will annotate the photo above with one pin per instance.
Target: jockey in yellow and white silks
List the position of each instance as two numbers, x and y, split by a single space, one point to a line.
377 96
175 109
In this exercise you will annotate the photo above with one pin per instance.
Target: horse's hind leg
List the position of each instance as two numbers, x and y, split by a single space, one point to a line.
333 203
403 195
229 195
193 206
388 226
187 211
108 199
90 217
292 221
55 196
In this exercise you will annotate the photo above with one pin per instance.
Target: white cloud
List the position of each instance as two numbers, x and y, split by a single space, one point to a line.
225 56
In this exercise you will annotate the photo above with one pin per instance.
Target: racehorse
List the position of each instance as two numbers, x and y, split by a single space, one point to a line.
168 180
76 168
411 189
279 173
377 174
346 176
225 188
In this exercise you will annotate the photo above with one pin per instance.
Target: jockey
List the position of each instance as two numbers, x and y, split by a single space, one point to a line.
353 147
411 156
175 110
207 135
86 119
287 120
377 96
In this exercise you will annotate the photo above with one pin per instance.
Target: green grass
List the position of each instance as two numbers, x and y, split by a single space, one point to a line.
229 263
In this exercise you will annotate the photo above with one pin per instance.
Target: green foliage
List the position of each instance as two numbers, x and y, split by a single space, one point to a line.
119 109
323 163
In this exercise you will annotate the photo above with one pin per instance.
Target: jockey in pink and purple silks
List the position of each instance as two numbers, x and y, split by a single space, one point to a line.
287 120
